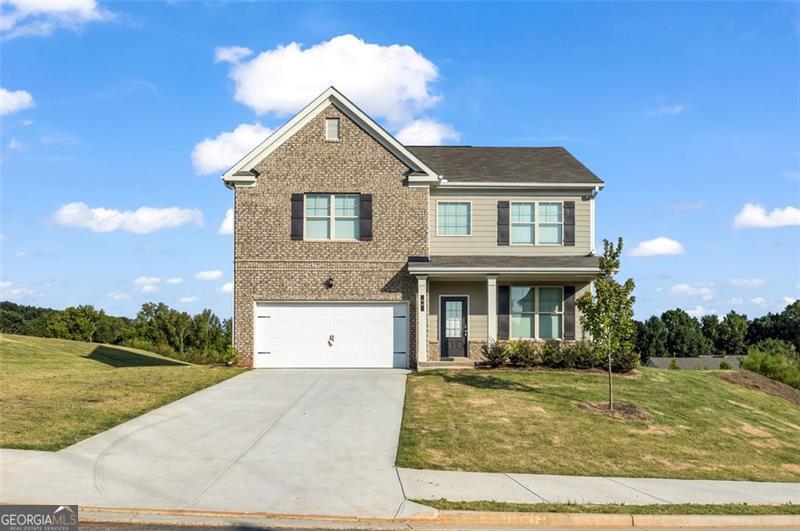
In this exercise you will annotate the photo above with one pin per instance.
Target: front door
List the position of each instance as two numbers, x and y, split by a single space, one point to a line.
453 332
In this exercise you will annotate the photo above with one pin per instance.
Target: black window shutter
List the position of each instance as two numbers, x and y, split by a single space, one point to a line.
569 313
569 223
297 216
365 217
503 306
502 223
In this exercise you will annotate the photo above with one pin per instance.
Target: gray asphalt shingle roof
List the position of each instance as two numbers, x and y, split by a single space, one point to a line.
509 261
505 164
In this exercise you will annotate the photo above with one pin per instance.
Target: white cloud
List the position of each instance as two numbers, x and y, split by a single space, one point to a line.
227 287
21 254
147 284
220 153
20 293
736 301
748 282
15 145
427 132
118 296
140 221
788 300
759 301
26 122
667 110
41 17
227 223
754 216
209 275
699 311
188 300
658 247
231 54
704 290
5 284
174 280
391 82
15 101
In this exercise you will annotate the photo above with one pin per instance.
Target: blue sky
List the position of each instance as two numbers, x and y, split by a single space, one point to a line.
689 112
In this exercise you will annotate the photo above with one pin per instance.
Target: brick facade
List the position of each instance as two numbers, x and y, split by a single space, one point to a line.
269 266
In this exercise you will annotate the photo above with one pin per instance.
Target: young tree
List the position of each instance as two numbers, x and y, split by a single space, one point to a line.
651 341
608 313
732 334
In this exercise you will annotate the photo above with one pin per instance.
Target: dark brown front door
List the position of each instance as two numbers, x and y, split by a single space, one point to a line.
453 331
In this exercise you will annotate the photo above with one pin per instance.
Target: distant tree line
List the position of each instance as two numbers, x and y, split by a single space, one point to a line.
677 334
202 338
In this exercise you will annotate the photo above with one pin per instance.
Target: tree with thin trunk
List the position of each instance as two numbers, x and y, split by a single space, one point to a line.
607 314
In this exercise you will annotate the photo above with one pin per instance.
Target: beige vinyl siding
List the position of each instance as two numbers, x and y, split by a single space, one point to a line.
477 291
483 240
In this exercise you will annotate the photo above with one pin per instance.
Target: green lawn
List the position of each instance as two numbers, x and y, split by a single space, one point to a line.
530 422
54 392
666 508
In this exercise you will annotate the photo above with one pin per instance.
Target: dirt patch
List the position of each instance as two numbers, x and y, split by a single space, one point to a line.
752 380
791 467
755 432
653 430
481 401
621 411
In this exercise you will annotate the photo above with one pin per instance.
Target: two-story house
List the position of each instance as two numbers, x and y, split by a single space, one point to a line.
353 250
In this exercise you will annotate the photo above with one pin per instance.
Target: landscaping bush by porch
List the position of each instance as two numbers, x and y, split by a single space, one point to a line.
555 355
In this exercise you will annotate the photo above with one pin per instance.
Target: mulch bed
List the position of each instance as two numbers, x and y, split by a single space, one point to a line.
753 380
621 411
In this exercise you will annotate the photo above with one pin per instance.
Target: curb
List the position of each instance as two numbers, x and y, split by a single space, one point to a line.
454 519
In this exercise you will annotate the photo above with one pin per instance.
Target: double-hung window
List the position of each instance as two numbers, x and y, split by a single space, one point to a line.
453 218
523 226
332 216
551 223
537 312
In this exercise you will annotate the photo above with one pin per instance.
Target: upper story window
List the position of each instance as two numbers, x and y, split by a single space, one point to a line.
523 225
453 218
537 312
332 129
551 223
332 217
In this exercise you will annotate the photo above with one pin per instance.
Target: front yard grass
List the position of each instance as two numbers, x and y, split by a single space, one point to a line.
700 427
55 392
682 509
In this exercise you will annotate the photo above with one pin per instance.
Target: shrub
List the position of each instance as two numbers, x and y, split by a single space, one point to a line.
582 353
551 357
774 364
495 353
673 364
624 361
724 365
524 352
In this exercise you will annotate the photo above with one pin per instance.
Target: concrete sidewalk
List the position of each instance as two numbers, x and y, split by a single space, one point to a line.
532 488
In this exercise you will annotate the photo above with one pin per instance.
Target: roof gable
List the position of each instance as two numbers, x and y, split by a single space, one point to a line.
243 172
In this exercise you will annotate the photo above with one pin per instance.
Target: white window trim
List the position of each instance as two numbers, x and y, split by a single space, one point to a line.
539 224
332 218
537 313
511 222
469 225
338 129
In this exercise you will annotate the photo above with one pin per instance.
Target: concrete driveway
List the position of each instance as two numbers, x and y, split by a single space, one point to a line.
287 441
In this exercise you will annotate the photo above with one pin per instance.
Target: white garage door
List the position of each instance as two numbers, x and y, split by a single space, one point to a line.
331 335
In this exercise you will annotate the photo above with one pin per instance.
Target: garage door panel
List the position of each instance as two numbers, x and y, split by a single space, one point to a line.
330 335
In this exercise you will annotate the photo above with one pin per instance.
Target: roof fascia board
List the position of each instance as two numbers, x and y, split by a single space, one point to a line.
444 183
467 270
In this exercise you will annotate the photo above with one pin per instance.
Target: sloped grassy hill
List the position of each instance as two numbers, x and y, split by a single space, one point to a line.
55 392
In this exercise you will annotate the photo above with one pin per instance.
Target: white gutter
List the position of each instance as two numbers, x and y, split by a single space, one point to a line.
550 270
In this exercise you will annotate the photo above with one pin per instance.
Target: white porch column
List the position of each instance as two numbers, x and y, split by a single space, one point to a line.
422 318
491 302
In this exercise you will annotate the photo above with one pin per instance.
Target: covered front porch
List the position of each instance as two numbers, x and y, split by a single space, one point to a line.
465 302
